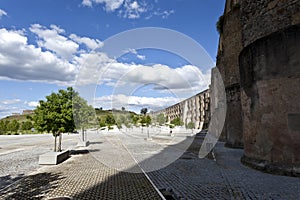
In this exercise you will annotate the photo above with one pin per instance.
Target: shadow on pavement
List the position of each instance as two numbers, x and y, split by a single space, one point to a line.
82 151
32 186
7 180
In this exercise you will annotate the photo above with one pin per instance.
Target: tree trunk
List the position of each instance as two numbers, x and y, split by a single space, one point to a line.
59 142
55 143
82 132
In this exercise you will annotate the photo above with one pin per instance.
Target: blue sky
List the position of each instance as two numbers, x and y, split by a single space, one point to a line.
47 45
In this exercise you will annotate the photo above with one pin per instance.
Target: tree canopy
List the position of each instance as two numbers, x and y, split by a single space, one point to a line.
144 111
161 119
177 122
55 115
82 112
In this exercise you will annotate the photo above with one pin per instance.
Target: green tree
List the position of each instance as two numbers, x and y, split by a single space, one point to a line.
119 123
55 115
101 122
14 126
26 126
2 127
82 113
110 120
144 111
134 119
6 123
123 119
177 122
190 125
148 120
160 119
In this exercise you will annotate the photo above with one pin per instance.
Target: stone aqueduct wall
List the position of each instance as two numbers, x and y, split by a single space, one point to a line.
230 45
195 109
259 61
270 78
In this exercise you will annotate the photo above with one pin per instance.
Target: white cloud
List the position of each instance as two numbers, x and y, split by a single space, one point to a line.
133 10
10 101
110 5
99 69
163 14
118 101
90 43
130 9
22 61
134 51
2 13
87 3
6 110
52 40
32 103
141 57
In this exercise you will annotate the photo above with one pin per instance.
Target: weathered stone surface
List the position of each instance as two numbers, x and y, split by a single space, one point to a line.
261 18
230 46
270 79
233 124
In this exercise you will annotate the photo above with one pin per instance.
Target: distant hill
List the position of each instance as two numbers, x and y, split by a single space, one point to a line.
99 113
19 118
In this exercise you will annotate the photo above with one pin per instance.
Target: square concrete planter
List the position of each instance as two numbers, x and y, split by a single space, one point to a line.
83 143
53 158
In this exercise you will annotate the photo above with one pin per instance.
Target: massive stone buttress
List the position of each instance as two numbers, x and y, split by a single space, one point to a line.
269 66
230 46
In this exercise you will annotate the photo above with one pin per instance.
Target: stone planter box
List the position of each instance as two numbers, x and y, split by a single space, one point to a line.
53 158
83 143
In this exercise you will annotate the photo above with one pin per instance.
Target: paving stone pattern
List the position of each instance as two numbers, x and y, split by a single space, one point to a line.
226 178
83 176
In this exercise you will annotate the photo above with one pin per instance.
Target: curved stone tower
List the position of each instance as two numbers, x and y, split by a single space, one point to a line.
269 66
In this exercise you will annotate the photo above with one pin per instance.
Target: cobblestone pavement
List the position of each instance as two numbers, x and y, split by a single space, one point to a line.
95 174
81 177
226 178
19 154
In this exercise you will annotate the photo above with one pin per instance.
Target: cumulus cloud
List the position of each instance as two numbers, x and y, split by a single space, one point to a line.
2 13
22 61
118 101
67 64
90 43
51 39
183 78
